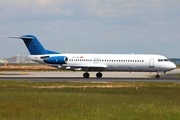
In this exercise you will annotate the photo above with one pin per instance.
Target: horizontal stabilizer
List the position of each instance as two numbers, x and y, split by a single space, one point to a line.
12 37
18 37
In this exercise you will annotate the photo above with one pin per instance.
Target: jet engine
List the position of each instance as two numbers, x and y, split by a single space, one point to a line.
56 60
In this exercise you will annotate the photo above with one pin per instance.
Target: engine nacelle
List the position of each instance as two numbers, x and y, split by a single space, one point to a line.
56 60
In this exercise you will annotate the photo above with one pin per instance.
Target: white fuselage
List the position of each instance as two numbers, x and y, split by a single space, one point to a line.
112 62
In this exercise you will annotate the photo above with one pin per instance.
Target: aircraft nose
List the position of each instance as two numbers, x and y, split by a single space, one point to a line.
173 66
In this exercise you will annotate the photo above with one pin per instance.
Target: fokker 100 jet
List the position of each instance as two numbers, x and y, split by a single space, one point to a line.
97 62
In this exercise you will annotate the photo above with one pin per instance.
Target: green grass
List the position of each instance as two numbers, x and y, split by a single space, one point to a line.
177 76
89 101
178 66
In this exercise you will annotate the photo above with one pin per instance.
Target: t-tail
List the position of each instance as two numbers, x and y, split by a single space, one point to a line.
34 46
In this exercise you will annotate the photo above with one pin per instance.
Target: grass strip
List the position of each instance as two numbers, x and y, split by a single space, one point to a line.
89 101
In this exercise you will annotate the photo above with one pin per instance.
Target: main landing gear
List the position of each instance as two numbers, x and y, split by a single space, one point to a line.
86 75
98 75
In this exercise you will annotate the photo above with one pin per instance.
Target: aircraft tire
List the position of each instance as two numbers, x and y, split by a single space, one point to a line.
86 75
157 76
99 75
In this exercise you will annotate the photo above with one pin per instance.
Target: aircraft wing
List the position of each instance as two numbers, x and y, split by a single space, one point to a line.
81 67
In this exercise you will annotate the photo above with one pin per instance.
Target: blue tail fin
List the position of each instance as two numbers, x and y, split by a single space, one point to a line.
34 46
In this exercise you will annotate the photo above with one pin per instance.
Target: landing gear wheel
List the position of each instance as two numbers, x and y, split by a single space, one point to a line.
86 75
99 75
157 76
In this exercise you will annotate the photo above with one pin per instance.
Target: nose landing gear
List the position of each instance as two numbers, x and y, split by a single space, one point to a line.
157 76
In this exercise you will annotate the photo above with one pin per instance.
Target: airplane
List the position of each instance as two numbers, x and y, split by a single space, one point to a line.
96 62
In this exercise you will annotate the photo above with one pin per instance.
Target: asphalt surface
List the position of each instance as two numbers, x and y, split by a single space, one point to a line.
168 78
77 77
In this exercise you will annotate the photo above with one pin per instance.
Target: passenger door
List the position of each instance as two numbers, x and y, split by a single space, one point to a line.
151 63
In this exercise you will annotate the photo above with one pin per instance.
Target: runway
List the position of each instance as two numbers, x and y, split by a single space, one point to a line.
80 79
77 77
34 78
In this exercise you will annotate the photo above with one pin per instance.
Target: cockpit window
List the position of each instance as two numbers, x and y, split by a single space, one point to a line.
160 60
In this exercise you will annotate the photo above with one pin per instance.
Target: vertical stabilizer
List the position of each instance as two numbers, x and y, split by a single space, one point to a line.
34 46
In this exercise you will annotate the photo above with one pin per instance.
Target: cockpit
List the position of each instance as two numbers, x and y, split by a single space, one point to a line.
161 60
